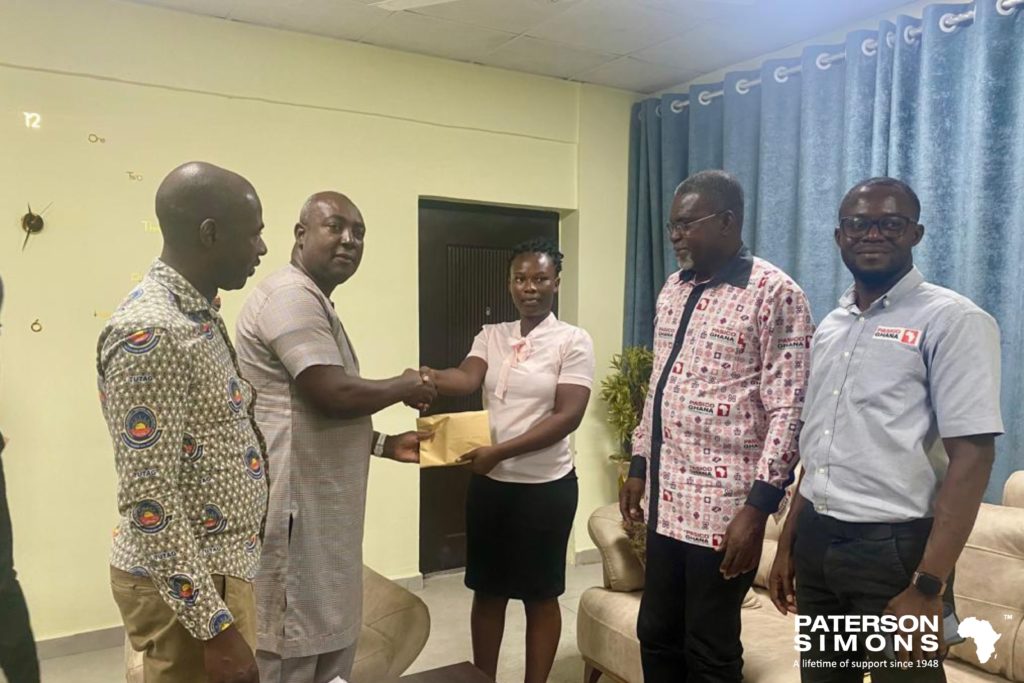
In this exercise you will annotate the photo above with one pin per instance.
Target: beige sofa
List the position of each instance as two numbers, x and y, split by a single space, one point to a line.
396 625
989 585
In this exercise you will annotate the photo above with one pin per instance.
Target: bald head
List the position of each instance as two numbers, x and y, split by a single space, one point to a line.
211 220
196 192
329 239
323 204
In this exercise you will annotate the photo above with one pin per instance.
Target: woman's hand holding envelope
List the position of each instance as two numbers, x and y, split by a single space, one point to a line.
452 436
481 460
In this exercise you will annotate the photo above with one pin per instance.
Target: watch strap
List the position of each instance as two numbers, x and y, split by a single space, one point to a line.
378 445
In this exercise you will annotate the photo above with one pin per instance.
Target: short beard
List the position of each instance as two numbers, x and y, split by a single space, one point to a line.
685 264
872 278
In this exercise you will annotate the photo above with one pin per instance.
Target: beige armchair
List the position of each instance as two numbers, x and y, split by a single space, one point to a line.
396 625
989 586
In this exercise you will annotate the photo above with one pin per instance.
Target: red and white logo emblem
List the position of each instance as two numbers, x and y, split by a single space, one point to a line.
721 472
910 337
723 410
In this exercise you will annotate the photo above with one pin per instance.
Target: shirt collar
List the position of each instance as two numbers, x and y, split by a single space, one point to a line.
905 286
547 322
189 298
736 272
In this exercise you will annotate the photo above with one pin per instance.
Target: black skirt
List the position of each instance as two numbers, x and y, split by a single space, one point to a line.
516 536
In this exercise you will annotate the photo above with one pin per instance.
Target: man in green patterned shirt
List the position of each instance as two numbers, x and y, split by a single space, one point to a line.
192 488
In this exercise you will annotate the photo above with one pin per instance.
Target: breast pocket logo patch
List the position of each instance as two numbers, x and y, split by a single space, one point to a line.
902 335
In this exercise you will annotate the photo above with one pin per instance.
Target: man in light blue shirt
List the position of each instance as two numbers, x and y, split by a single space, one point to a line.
897 442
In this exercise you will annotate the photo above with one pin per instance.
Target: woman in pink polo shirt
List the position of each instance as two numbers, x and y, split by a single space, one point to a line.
537 374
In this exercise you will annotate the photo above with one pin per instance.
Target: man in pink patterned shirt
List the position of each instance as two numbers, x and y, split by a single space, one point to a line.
716 445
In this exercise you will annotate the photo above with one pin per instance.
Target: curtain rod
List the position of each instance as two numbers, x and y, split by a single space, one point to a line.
948 23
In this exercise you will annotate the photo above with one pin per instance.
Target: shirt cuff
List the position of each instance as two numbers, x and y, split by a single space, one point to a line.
765 497
638 467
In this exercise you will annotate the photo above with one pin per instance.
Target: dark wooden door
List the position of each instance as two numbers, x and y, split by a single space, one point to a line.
463 251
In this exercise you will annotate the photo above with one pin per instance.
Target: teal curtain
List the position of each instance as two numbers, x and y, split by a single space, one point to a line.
658 161
937 101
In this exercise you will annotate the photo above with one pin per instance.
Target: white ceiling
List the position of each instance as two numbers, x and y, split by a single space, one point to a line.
639 45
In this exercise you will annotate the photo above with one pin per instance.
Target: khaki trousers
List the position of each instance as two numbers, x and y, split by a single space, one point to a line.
170 653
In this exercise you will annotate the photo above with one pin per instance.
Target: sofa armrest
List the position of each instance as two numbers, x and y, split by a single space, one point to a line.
1013 491
398 617
622 570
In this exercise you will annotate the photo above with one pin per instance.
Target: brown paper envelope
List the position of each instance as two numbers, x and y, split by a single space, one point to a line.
455 434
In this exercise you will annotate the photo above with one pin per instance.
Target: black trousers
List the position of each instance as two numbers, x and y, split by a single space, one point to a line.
17 646
689 623
845 568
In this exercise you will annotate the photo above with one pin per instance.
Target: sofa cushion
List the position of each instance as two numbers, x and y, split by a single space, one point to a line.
990 585
769 652
958 672
622 569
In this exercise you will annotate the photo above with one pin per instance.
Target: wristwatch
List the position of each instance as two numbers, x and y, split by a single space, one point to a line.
378 445
927 584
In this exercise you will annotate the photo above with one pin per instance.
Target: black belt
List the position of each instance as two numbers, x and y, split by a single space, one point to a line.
870 531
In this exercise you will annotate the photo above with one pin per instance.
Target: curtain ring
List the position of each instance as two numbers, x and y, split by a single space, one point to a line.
869 48
742 86
946 25
677 106
657 110
781 74
705 98
822 61
890 39
1005 11
910 34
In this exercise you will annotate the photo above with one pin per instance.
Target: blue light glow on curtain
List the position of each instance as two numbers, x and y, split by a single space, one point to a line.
937 101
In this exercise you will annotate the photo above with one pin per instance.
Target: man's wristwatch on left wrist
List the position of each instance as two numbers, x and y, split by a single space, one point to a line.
378 445
927 584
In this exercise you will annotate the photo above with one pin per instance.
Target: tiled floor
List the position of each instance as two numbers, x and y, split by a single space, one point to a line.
449 602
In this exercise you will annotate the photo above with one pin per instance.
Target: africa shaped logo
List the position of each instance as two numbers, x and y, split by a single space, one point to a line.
983 635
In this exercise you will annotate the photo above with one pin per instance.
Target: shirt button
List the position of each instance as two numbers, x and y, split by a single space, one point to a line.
819 508
861 318
846 354
827 432
821 470
835 392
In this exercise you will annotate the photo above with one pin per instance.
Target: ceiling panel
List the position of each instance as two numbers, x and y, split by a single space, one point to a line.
429 35
632 74
615 26
703 50
346 19
516 16
703 9
536 56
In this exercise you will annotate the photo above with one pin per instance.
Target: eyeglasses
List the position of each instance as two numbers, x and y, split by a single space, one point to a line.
891 226
685 227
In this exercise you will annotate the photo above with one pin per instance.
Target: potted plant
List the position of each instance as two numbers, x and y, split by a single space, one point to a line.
624 392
